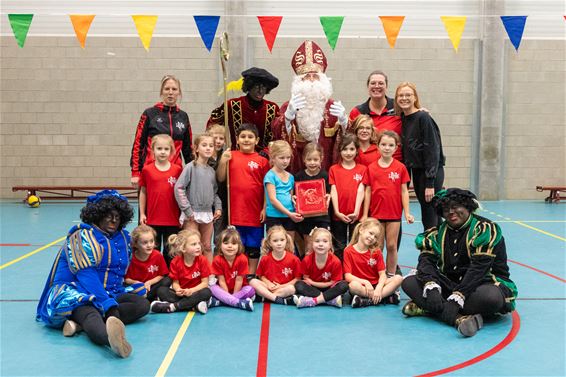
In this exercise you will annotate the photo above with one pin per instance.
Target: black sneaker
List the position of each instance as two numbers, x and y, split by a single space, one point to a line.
289 300
360 302
246 304
213 302
161 307
469 325
393 299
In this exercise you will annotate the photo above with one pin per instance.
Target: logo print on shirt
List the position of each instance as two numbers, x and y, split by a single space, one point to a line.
234 274
253 165
159 120
326 275
372 262
287 271
393 176
358 177
180 126
153 268
172 180
195 275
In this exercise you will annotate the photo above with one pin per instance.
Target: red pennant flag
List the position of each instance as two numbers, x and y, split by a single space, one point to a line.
270 27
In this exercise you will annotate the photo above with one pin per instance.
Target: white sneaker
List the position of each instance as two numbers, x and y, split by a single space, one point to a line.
202 307
70 328
117 337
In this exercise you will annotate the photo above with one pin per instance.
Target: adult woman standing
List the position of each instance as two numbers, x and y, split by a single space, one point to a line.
164 117
84 289
422 150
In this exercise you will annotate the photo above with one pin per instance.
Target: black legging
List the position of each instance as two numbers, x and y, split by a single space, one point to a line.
152 294
184 303
341 234
163 233
487 299
329 293
130 306
428 213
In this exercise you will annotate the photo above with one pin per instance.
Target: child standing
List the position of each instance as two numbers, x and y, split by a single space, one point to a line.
189 271
387 195
147 265
231 269
196 193
158 207
347 188
364 130
279 269
246 196
279 187
322 274
364 269
312 158
218 134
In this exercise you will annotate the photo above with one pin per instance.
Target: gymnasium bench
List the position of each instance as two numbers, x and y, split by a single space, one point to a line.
72 192
556 194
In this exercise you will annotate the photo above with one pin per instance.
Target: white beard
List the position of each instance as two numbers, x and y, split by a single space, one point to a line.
316 93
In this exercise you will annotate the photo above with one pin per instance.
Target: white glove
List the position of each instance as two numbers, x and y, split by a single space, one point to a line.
339 111
296 103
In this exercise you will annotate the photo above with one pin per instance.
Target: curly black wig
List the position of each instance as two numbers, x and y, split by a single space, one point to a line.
443 198
93 213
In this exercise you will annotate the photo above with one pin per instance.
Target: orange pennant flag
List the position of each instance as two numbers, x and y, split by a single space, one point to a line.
81 24
391 27
454 27
145 26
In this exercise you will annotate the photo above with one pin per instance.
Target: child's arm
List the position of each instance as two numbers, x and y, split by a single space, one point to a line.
223 166
367 197
359 200
143 204
350 278
262 215
177 288
291 283
318 284
405 201
377 293
183 182
239 283
150 282
334 197
272 197
203 284
129 281
222 282
270 285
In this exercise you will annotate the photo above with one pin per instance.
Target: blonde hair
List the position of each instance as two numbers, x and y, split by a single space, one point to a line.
178 242
360 121
231 235
167 78
199 140
216 129
278 147
137 233
368 223
313 147
266 247
317 231
164 138
406 84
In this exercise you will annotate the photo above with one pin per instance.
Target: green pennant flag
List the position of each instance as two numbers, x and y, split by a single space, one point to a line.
331 27
20 26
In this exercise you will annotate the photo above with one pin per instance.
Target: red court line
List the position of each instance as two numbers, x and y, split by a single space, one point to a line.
15 244
504 343
263 341
537 270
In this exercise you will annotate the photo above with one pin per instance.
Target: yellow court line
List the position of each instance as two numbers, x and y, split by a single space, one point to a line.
31 253
540 230
175 345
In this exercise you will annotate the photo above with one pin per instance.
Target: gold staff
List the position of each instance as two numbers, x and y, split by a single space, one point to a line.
224 56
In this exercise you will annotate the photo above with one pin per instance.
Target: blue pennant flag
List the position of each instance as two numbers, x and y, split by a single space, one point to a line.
514 25
207 26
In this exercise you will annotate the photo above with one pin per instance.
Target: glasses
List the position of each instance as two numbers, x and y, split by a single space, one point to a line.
404 96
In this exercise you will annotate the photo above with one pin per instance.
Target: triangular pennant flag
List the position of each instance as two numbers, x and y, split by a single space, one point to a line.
81 24
145 26
270 27
454 27
331 27
391 27
207 26
20 26
514 25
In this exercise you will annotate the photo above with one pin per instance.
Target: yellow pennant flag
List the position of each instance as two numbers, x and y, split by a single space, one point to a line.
81 24
391 27
455 27
145 26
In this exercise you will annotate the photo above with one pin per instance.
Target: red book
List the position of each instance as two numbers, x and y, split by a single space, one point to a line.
311 198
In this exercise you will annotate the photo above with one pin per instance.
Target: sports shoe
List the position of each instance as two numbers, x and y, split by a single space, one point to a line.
410 309
161 307
70 328
336 301
246 304
469 325
213 302
289 300
202 307
393 299
360 302
296 299
305 302
117 337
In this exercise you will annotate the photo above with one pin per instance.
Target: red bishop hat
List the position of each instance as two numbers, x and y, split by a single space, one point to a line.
309 58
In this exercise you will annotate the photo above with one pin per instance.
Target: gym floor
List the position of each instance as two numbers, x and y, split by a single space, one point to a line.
283 340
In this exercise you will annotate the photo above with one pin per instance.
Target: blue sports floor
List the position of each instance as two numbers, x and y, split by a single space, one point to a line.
284 341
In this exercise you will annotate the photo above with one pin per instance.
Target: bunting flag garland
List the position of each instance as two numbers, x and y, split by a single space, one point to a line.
514 25
270 27
145 26
81 24
391 27
207 26
331 27
20 24
454 27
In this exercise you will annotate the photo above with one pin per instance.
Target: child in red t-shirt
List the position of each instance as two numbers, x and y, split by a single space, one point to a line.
347 187
157 204
387 195
189 271
364 129
364 269
322 274
279 269
231 267
147 265
246 170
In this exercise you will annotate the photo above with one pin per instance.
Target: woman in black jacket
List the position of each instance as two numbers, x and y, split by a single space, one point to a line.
422 150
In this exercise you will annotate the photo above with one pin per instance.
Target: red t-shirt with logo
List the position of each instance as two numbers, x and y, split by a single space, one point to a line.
239 267
370 155
385 183
246 187
192 276
363 265
347 182
332 270
161 207
143 271
279 271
